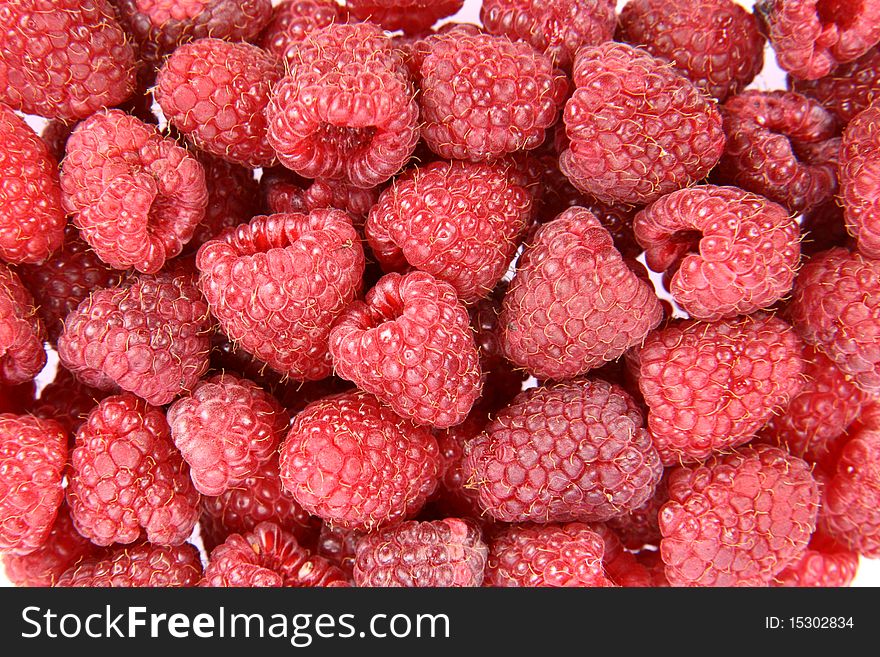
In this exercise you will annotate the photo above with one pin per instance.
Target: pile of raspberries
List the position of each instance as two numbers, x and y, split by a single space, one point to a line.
352 295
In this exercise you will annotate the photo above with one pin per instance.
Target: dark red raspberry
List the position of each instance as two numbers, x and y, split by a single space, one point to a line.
454 498
823 228
834 307
31 218
156 199
63 58
459 221
848 89
159 26
558 28
345 111
269 556
292 20
442 553
55 135
739 519
716 44
354 463
16 399
485 96
710 386
548 555
641 526
277 283
142 565
860 180
411 345
780 145
150 336
33 457
411 16
127 477
339 546
825 563
259 498
637 129
22 355
730 252
67 401
63 281
811 37
215 93
574 304
573 451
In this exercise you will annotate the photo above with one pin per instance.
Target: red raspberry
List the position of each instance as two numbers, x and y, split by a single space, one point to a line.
574 304
621 566
573 451
442 553
259 498
277 283
142 565
67 401
339 546
150 336
811 37
637 129
641 526
459 221
485 96
293 20
454 498
730 252
156 200
414 50
22 355
823 228
848 89
354 463
834 307
345 111
825 563
860 180
780 145
63 58
65 280
710 386
739 519
411 16
269 556
411 345
549 555
127 476
159 26
215 93
716 44
33 456
55 135
558 28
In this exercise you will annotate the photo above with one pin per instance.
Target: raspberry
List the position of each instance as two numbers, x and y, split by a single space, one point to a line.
780 145
836 299
453 497
860 180
293 20
848 89
716 44
127 477
150 336
415 48
345 111
637 129
139 565
215 93
339 547
411 345
823 228
442 553
739 519
411 16
573 451
21 332
65 280
548 555
641 526
33 456
160 26
485 96
269 556
354 463
459 221
55 135
67 401
711 386
574 304
259 498
136 196
811 37
277 283
825 563
63 58
558 28
621 566
730 252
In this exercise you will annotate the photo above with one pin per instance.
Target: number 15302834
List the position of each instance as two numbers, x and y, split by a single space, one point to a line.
808 623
